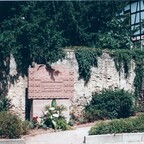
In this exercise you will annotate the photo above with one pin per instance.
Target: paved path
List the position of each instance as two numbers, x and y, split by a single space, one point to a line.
65 137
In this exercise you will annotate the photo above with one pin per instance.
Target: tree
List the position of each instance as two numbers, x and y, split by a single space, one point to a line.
83 20
33 34
117 35
35 31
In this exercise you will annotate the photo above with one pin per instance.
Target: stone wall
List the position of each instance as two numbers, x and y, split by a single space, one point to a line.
104 76
17 91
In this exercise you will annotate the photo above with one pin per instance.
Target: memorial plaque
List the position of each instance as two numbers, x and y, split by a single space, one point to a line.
55 82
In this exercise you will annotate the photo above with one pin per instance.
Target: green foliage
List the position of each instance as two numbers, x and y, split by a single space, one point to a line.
5 104
61 124
54 103
116 35
123 58
86 58
71 121
53 117
129 125
34 123
11 126
110 104
91 114
32 34
25 127
81 120
35 31
81 22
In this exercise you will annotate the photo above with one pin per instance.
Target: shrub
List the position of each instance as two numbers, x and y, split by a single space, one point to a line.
10 125
34 123
71 121
139 124
110 104
61 124
53 117
5 104
100 128
25 127
128 125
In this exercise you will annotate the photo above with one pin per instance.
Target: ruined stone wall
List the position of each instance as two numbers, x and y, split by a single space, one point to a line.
17 91
104 76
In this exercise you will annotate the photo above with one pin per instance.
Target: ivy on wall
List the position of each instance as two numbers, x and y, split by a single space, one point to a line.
123 58
4 71
87 58
23 62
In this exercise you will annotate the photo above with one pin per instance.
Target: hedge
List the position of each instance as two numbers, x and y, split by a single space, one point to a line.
128 125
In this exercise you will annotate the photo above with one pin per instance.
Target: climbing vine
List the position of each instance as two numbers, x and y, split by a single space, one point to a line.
86 58
123 58
46 58
4 71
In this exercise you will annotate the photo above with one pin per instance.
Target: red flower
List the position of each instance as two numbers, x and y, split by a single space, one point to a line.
35 119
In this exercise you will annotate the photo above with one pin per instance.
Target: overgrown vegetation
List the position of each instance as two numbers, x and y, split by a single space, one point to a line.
110 104
5 104
116 35
11 126
52 118
36 31
123 60
86 58
129 125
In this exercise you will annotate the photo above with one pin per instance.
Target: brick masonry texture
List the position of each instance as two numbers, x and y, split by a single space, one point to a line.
55 82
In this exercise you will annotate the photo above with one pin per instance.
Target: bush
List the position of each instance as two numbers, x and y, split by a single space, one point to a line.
34 123
25 127
110 104
71 121
129 125
61 124
53 117
11 126
5 104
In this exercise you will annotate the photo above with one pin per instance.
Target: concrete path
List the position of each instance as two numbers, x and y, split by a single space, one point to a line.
65 137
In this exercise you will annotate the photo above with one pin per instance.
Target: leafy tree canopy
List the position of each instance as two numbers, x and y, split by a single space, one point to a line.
34 31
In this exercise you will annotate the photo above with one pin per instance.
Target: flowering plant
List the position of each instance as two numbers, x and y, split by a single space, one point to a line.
34 123
53 118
